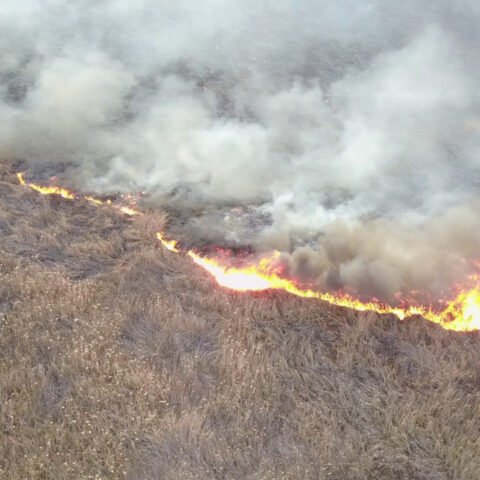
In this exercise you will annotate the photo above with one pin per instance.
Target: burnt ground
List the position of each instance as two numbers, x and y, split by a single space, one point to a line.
119 359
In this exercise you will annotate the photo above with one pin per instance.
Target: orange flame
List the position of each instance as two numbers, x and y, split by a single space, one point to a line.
68 195
462 314
130 211
252 278
51 190
97 201
168 244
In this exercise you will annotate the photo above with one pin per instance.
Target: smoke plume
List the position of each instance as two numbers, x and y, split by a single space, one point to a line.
343 133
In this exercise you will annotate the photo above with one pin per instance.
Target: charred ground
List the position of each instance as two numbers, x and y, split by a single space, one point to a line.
119 359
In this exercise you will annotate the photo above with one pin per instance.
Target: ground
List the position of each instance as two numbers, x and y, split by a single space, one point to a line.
120 359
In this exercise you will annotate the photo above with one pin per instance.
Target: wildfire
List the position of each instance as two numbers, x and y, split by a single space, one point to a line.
69 195
462 314
168 244
97 201
249 279
50 190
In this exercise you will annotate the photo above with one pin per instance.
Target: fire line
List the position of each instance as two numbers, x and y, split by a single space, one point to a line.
461 314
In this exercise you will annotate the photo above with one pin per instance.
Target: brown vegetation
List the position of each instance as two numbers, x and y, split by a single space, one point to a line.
119 359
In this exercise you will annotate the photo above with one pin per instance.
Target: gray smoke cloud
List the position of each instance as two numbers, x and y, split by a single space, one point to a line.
344 133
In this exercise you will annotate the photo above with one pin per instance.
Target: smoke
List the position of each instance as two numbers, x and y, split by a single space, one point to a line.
344 133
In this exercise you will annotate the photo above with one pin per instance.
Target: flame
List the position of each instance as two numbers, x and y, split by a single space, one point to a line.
462 314
249 279
21 178
69 195
130 211
168 244
97 201
50 190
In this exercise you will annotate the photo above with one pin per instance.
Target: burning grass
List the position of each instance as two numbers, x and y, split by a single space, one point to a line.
459 313
120 359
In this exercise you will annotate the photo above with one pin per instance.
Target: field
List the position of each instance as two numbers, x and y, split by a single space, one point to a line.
119 359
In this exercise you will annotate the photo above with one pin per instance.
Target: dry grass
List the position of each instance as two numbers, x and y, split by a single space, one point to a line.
119 359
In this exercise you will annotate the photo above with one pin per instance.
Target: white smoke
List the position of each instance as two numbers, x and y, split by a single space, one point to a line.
352 129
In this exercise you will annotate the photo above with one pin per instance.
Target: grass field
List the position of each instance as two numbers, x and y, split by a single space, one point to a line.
119 359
